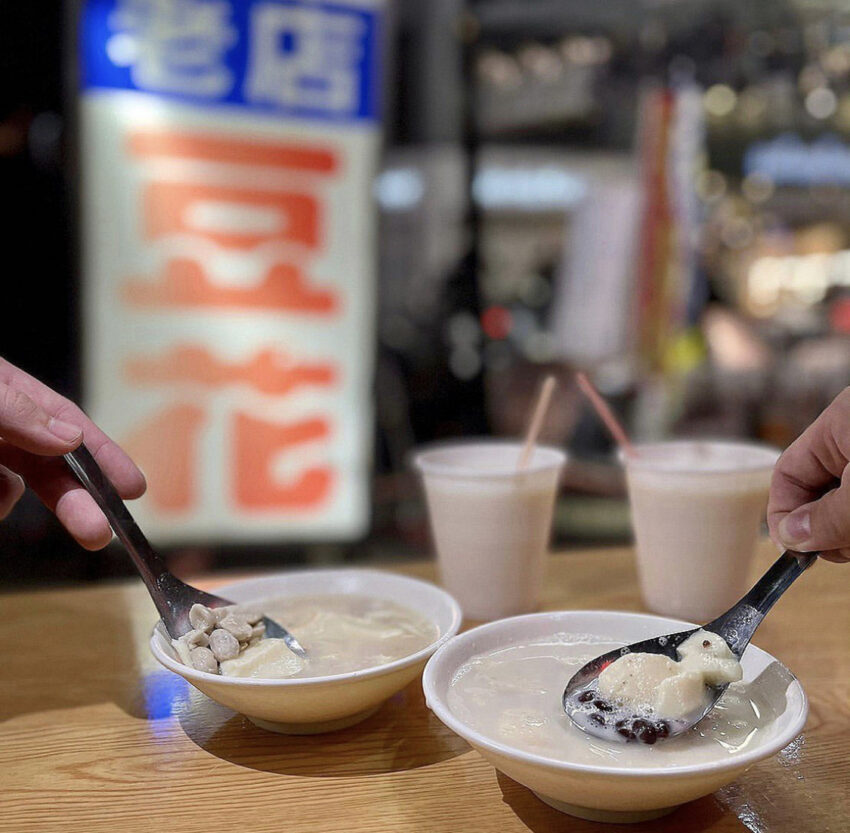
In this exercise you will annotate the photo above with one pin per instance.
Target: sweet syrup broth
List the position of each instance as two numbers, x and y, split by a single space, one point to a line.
513 696
340 633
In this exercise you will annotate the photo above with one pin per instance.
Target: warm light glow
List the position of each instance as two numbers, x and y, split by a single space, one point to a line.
720 100
710 185
821 103
757 187
804 279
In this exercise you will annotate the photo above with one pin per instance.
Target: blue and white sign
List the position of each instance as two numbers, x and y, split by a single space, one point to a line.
228 152
319 60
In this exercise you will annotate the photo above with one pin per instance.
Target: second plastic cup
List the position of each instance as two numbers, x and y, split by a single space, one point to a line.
697 508
491 523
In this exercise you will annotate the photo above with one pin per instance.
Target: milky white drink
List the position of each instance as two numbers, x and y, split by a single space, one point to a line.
697 508
491 523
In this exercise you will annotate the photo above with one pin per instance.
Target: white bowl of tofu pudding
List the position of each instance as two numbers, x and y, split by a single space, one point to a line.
367 634
500 686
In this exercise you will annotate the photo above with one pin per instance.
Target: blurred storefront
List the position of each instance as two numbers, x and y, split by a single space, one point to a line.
656 193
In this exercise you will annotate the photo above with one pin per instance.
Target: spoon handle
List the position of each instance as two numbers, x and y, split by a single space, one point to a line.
738 624
160 582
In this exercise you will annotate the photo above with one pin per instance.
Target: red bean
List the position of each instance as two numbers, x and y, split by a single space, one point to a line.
647 735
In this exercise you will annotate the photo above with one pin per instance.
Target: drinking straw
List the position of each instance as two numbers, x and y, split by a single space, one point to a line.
606 415
539 413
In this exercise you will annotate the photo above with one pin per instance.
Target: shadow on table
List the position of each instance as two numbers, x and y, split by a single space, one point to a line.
695 817
72 653
401 735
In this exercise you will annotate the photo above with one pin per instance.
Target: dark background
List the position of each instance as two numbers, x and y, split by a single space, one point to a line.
449 62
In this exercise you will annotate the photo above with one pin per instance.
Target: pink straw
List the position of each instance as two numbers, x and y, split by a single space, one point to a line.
606 415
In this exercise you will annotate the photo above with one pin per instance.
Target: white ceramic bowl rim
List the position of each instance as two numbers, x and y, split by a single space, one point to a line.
441 709
436 459
373 671
755 457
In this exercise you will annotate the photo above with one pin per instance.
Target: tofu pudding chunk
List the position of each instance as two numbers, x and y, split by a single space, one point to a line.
653 685
269 658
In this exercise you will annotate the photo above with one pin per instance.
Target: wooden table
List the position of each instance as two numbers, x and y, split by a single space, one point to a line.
95 736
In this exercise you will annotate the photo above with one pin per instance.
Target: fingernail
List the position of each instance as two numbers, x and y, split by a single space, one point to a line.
64 430
796 528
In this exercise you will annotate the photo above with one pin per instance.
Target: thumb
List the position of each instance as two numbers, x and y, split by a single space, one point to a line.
25 424
823 524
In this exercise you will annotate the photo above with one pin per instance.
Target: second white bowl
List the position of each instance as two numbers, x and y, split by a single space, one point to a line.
605 791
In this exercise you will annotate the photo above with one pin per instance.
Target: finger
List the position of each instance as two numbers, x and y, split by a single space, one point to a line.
80 515
122 472
837 556
820 525
26 424
36 468
60 491
812 463
12 488
116 464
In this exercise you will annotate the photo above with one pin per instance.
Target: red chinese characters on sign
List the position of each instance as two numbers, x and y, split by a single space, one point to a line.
222 215
185 284
268 372
166 447
255 442
175 207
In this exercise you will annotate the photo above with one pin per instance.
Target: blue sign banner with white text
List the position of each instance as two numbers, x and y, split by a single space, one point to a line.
309 59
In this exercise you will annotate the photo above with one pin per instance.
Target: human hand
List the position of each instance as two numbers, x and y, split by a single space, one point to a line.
37 426
809 506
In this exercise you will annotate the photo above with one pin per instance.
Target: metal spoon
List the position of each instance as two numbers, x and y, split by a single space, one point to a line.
593 714
173 598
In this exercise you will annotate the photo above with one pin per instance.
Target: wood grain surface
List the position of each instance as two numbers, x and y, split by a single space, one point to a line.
95 736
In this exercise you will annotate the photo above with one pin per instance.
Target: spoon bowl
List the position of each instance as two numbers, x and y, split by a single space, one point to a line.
594 714
597 716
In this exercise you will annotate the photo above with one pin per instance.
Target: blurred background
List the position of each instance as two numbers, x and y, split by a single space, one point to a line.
475 194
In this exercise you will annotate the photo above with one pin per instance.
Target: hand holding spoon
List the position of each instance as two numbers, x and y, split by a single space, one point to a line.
594 715
173 598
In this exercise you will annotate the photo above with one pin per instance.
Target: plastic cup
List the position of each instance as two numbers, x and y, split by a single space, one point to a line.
491 523
697 509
